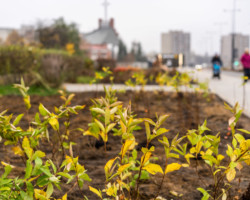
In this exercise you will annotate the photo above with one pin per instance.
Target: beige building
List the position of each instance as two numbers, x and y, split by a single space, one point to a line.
176 42
4 33
241 42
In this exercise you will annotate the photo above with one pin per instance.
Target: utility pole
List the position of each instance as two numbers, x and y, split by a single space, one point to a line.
234 10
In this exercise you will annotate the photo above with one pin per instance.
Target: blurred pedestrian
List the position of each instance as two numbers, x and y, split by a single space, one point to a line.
245 60
217 64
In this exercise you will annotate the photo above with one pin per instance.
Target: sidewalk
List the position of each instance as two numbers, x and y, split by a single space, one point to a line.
229 87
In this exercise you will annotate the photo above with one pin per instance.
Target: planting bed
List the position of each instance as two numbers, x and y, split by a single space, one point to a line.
186 112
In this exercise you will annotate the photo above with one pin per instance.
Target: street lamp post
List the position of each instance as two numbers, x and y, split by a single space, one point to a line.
233 51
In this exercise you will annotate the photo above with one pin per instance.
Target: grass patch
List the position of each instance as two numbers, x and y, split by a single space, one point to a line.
84 79
34 90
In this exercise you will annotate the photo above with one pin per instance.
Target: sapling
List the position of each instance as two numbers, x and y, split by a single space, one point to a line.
208 147
41 174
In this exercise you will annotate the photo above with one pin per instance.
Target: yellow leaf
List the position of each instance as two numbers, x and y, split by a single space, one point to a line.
64 197
198 146
40 194
247 159
104 136
125 147
18 151
26 143
109 164
92 134
220 157
123 167
145 158
121 183
188 156
110 191
239 166
6 164
27 102
172 167
54 123
231 175
26 147
124 129
153 168
244 146
32 179
98 193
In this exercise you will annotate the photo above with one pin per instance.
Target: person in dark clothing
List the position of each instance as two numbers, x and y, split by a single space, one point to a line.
217 64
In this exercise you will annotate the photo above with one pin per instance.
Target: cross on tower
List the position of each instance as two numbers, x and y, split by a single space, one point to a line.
105 4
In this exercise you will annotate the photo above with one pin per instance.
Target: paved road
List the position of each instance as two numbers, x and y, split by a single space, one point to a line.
229 87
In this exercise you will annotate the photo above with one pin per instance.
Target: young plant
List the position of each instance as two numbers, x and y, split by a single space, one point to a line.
223 170
41 172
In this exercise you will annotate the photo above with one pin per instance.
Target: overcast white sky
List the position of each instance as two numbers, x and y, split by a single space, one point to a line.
138 20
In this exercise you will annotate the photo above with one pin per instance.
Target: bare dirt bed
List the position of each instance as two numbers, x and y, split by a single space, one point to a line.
186 112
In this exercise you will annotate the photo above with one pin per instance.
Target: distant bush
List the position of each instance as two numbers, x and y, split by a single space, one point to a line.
48 66
17 59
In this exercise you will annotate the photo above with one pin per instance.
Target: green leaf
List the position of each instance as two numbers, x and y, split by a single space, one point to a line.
147 127
110 126
107 116
17 120
205 194
42 181
71 96
234 142
28 169
66 175
7 170
134 154
80 183
229 150
244 131
98 110
43 110
4 189
84 177
203 127
162 119
37 118
150 121
46 171
144 175
239 138
38 154
49 190
53 166
100 125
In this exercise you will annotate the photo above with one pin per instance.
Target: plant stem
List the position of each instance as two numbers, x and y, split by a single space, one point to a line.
138 180
166 163
61 143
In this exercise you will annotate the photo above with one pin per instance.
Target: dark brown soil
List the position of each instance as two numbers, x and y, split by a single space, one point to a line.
186 111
